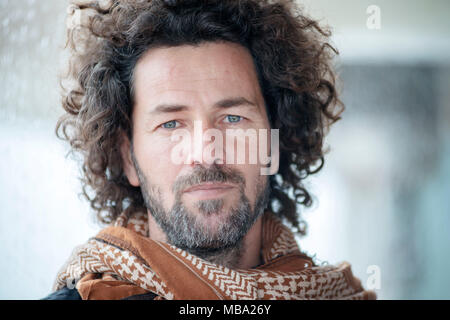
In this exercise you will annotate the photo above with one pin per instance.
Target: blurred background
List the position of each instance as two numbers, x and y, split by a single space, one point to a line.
382 200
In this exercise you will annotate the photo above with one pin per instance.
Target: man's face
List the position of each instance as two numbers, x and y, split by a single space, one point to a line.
197 204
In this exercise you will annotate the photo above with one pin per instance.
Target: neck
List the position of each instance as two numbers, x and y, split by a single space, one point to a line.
245 255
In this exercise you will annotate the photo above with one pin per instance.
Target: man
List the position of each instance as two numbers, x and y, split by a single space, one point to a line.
166 91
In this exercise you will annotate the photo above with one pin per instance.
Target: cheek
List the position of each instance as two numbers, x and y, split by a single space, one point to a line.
156 164
154 153
252 180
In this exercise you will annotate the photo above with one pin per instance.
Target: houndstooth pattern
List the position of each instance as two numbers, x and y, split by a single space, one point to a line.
279 238
99 257
325 282
138 222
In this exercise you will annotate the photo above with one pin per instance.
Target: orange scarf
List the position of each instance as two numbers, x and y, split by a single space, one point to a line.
122 261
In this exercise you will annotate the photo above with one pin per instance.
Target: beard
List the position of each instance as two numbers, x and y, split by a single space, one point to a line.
222 243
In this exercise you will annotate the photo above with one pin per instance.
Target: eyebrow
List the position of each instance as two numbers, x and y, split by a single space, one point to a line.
222 104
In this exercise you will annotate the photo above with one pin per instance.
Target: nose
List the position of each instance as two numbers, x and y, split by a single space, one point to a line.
206 145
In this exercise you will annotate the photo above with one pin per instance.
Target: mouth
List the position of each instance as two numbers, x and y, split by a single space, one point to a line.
207 190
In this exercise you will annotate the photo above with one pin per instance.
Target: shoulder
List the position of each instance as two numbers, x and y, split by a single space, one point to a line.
64 294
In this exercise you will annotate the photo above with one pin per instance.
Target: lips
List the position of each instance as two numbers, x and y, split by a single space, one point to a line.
209 186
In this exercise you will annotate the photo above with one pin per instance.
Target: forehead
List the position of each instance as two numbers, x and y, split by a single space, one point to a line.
190 72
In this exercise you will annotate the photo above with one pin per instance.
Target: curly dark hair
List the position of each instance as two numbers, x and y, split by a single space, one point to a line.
293 60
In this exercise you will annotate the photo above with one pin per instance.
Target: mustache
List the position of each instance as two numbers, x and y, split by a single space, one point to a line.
215 173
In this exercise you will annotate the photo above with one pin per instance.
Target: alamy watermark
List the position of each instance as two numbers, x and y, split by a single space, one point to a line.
374 19
193 146
373 281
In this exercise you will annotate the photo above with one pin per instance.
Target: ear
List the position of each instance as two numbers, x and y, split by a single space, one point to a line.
128 165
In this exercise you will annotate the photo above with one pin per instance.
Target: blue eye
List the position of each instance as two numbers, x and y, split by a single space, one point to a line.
170 124
233 119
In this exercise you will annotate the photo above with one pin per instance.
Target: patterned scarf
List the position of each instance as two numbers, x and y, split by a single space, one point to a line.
122 261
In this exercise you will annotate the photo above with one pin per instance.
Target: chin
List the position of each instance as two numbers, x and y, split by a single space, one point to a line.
213 217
